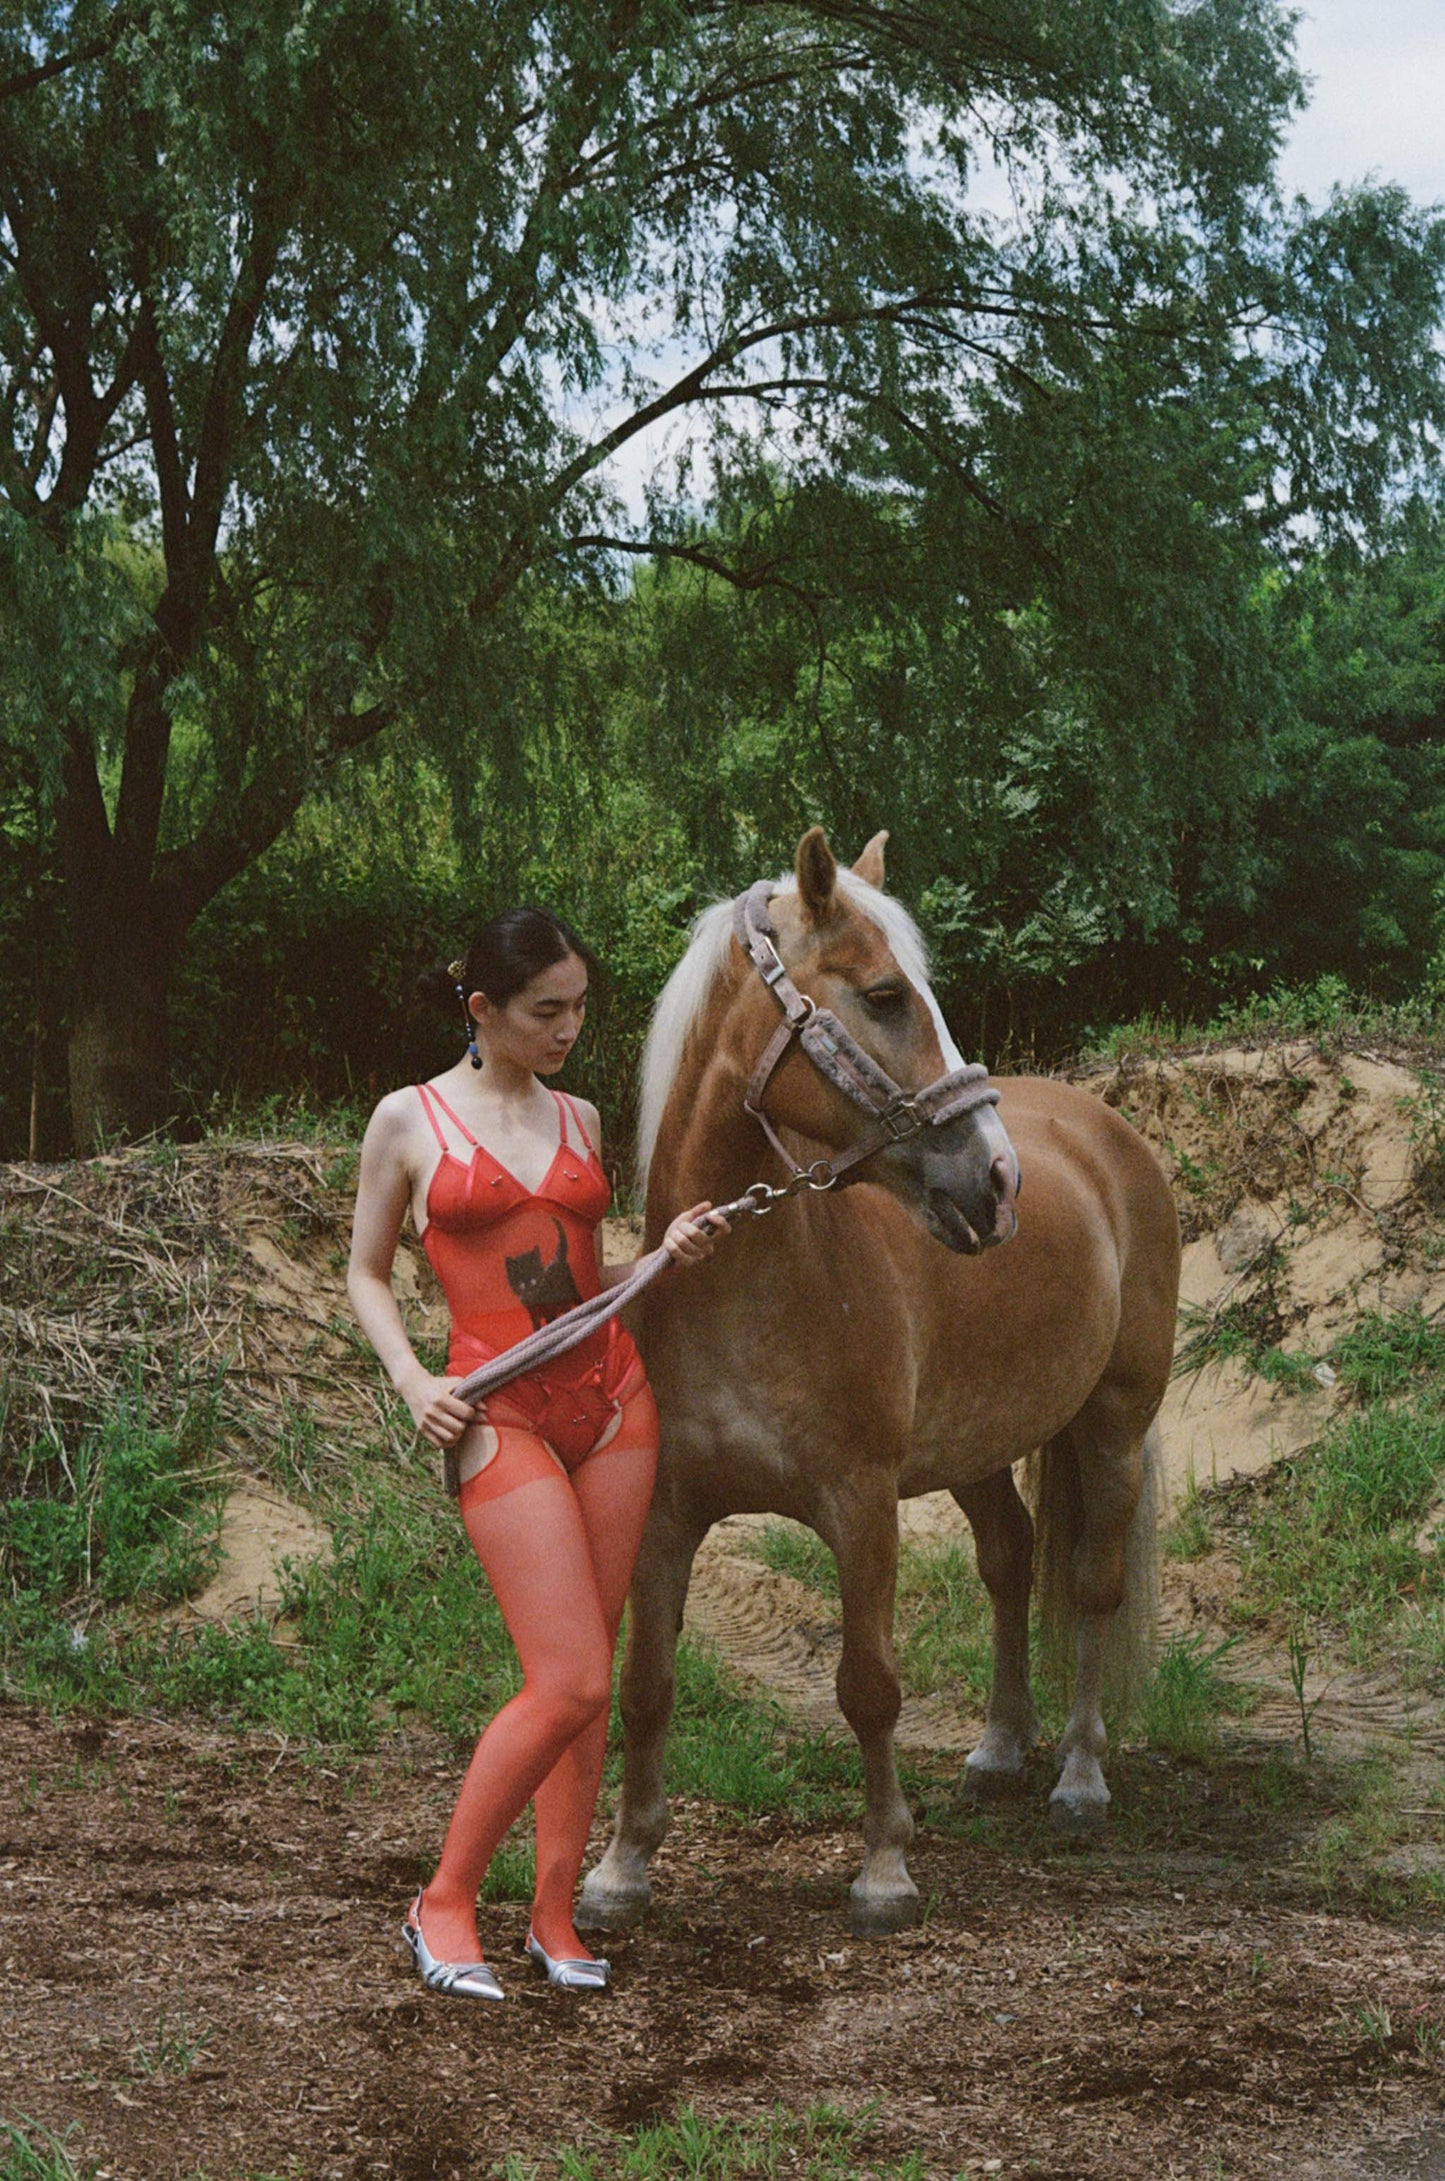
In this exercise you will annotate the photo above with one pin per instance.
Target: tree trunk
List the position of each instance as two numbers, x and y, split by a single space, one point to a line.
120 1037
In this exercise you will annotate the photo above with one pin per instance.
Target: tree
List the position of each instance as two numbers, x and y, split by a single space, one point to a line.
306 317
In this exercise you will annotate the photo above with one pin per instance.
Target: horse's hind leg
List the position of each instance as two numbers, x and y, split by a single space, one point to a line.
1003 1538
860 1524
617 1890
1112 1577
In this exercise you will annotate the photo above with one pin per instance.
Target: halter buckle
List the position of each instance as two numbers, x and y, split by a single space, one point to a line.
900 1119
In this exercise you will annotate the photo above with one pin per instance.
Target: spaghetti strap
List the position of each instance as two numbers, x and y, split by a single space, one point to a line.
565 1107
428 1093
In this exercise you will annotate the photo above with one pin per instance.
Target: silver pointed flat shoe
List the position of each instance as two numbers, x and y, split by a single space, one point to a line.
569 1974
460 1980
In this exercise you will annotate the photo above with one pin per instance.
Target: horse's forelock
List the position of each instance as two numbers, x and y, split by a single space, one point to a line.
687 991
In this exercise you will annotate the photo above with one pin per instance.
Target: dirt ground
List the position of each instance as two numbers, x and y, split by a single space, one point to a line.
201 1976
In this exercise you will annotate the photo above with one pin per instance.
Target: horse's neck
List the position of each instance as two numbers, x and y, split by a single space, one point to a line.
707 1147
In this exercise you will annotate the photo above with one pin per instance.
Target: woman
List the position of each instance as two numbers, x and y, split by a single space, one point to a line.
504 1180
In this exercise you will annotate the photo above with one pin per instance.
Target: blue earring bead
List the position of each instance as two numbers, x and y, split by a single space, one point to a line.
472 1054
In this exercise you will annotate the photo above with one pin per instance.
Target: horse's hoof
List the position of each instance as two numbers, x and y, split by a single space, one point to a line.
604 1908
991 1783
877 1915
1077 1820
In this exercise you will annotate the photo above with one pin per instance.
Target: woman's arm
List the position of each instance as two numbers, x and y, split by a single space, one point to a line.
383 1192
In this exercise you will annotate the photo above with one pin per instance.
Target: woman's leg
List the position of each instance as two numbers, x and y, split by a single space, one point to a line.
614 1492
533 1544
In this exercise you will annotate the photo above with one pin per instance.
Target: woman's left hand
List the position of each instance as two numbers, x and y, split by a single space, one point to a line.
691 1237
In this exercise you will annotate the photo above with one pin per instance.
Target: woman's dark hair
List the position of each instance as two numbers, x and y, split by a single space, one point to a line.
506 954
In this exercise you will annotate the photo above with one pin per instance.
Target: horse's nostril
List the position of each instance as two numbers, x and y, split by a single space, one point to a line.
1003 1174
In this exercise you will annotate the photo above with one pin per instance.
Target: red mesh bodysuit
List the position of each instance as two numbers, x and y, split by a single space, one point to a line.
510 1261
554 1494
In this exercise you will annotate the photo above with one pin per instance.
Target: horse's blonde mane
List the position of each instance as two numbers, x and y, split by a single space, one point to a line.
687 991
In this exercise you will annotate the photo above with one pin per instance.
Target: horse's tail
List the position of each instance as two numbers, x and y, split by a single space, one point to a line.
1055 1493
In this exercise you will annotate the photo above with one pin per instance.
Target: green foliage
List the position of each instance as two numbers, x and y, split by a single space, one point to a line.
740 1750
1189 1534
130 1511
1188 1696
944 1625
820 2144
29 2152
1387 1354
1334 1541
993 548
793 1550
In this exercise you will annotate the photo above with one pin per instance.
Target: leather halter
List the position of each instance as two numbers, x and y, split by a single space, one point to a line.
841 1061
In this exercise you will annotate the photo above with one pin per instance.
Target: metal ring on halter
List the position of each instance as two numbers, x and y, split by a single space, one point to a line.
823 1167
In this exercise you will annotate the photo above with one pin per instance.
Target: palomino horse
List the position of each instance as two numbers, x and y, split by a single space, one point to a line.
832 1358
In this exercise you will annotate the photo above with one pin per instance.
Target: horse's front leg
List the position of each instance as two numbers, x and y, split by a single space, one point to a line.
860 1523
617 1890
1004 1542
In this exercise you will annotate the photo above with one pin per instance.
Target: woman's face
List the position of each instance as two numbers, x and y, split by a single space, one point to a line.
539 1025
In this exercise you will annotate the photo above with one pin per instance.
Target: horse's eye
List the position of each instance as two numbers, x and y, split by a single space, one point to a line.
885 999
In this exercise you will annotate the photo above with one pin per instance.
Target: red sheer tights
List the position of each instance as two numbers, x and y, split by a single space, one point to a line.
558 1551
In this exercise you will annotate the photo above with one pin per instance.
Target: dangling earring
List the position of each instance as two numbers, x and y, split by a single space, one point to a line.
461 991
472 1054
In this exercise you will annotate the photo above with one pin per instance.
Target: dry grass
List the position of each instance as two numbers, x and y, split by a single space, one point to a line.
162 1268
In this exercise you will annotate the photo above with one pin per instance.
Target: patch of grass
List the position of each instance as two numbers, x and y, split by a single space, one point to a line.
738 1749
1333 1541
1189 1534
1385 1355
171 2050
1188 1696
822 2143
399 1624
29 2152
790 1549
1325 1010
512 1873
293 1116
129 1509
1248 1329
943 1628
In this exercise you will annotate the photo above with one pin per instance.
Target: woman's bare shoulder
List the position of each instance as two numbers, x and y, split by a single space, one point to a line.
394 1117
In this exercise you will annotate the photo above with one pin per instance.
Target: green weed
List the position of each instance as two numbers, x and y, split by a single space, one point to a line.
1188 1696
29 2152
791 1549
1384 1355
1189 1534
171 2050
511 1874
820 2144
739 1750
131 1509
944 1622
1334 1541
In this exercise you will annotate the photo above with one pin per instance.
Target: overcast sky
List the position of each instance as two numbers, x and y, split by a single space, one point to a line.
1378 104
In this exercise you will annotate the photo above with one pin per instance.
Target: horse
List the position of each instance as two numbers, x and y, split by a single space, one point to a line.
833 1358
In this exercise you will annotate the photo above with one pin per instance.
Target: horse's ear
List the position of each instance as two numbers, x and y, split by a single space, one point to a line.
817 874
869 866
